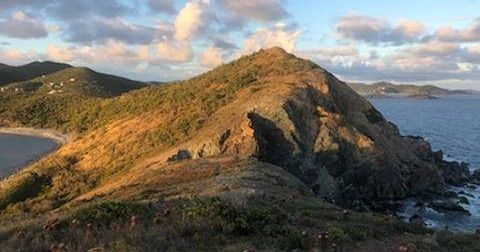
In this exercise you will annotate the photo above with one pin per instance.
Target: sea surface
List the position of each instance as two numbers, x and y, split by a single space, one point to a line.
452 124
18 150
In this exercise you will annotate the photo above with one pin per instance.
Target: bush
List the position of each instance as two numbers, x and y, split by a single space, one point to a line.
350 232
109 212
227 218
23 187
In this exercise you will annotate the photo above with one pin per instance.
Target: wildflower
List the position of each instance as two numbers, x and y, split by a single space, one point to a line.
323 236
134 221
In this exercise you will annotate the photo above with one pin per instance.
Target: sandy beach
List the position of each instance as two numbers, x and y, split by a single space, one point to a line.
45 133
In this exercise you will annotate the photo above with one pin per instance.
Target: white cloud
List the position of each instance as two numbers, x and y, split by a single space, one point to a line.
430 61
191 19
280 35
173 51
374 30
17 57
60 53
468 34
211 57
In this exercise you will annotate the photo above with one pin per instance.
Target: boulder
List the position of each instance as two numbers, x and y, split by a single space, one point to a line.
447 206
420 204
417 220
463 200
455 173
466 194
476 176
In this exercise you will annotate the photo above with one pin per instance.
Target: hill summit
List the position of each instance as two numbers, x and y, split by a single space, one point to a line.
9 74
268 130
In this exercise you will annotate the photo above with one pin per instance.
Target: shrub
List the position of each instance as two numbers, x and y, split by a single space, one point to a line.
228 218
22 188
108 212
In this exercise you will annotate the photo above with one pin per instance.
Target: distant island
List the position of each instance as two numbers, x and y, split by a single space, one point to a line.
386 90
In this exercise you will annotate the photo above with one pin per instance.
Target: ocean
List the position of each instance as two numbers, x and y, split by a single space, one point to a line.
452 124
18 150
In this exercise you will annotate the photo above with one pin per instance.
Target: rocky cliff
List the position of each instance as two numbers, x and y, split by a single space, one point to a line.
318 129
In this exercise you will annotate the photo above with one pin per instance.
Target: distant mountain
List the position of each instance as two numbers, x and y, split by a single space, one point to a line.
9 74
389 89
76 80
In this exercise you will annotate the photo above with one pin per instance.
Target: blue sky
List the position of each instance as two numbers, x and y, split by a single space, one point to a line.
420 42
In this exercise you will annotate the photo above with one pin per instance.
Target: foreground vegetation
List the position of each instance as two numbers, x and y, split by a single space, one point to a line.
209 224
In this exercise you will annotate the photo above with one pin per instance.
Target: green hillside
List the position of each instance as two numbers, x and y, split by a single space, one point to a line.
9 74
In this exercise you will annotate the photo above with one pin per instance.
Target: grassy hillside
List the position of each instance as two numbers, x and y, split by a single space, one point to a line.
385 88
199 165
9 74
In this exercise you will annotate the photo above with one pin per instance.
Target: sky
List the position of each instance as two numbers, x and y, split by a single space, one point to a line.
419 42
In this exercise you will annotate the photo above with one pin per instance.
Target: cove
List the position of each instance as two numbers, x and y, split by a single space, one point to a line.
17 151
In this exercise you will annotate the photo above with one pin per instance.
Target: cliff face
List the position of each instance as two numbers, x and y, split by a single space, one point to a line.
318 129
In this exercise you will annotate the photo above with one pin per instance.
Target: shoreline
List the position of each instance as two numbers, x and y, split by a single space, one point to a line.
56 136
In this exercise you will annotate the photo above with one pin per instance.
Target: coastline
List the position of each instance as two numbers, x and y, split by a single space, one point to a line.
56 136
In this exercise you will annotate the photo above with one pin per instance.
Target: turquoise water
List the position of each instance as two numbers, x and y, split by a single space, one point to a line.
18 150
452 124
